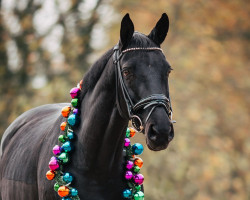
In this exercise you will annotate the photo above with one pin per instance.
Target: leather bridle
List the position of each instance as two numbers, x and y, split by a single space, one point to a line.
154 100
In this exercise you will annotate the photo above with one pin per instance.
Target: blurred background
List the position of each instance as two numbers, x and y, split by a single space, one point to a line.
47 46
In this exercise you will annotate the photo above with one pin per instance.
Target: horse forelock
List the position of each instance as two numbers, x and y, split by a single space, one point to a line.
141 40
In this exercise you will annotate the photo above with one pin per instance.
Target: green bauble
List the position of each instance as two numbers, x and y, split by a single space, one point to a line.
64 157
137 188
74 102
128 133
61 138
136 169
56 187
139 195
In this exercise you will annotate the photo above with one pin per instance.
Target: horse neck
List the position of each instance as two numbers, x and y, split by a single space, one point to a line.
102 129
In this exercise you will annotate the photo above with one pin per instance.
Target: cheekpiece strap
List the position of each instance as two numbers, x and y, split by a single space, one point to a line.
153 100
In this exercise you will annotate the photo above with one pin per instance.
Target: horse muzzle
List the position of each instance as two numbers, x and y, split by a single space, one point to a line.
159 135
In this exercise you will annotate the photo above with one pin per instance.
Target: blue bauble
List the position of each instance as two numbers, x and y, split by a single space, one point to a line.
137 148
67 177
73 119
66 146
66 198
73 192
70 135
127 193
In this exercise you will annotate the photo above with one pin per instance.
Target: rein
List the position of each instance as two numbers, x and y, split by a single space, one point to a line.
153 100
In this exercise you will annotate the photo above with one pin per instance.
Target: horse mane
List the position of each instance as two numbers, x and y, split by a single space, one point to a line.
94 73
92 76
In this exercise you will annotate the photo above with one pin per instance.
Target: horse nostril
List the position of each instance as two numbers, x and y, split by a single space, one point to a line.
153 133
161 135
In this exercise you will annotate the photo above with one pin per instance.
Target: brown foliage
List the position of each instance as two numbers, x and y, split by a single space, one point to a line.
208 47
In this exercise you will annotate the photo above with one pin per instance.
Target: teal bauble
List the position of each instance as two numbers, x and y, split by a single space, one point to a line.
127 193
137 148
66 146
66 198
73 119
73 192
139 195
70 135
67 178
64 157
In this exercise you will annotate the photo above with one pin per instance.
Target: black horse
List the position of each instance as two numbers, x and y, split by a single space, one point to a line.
97 160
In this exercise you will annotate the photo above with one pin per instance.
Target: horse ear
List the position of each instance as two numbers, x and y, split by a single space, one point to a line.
126 32
159 32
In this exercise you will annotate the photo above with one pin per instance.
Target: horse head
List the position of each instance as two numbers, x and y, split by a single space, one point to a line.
144 82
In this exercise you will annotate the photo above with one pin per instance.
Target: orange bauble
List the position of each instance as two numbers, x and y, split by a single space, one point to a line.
63 191
63 125
132 132
138 162
65 111
50 175
80 84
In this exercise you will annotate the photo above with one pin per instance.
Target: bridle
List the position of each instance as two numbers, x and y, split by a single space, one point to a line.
154 100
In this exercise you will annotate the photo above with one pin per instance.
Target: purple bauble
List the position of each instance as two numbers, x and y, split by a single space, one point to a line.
53 158
138 178
53 164
74 92
128 175
129 164
126 142
56 149
75 111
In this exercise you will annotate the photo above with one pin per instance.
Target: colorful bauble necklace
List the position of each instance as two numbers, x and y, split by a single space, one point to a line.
133 165
61 153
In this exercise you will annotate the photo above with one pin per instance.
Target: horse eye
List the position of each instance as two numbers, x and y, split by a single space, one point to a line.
125 72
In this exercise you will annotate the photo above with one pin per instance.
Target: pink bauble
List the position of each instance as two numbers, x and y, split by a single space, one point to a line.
128 175
129 164
53 164
138 179
74 92
56 149
126 142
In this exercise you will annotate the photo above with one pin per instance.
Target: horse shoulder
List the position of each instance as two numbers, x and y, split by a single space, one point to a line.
31 117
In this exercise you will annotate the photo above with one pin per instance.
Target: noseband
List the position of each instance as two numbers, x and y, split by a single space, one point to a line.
154 100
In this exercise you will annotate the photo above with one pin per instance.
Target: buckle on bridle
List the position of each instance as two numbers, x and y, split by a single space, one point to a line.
137 123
